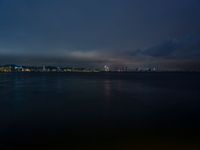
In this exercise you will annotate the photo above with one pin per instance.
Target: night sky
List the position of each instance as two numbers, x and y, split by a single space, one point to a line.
161 33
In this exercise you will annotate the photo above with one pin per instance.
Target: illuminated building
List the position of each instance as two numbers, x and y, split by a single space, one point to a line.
106 68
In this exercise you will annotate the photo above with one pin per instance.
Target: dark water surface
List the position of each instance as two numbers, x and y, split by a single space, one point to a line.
100 110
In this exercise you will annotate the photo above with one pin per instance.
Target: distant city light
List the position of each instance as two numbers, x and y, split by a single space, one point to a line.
106 68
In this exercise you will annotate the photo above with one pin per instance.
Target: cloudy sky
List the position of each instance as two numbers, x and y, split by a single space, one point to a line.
163 33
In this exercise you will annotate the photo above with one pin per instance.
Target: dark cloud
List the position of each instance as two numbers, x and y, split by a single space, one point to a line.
164 49
186 47
99 31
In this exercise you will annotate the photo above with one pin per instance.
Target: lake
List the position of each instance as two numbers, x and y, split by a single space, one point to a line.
100 110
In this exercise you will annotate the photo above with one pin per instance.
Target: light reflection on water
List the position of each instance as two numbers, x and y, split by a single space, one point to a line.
57 102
